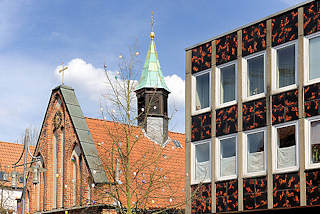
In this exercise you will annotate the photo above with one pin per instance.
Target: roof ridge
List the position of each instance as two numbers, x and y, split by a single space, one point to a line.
108 121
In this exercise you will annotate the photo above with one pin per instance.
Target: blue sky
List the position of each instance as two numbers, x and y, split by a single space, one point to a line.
36 36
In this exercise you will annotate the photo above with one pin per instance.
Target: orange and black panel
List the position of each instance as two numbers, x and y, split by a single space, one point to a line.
311 18
254 38
226 48
312 100
286 190
285 27
227 196
201 57
226 121
313 187
254 114
285 107
255 193
201 127
201 198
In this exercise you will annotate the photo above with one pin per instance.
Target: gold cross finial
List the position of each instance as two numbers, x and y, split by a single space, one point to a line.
62 70
152 23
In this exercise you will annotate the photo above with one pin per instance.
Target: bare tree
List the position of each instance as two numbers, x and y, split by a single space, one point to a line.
139 172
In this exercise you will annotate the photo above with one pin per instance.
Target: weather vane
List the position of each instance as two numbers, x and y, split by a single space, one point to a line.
62 70
152 21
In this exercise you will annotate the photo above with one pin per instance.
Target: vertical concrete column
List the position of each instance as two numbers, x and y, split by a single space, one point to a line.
240 138
188 92
269 115
213 126
301 108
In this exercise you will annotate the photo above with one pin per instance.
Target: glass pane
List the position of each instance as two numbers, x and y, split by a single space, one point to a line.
255 75
228 83
202 152
256 142
286 151
286 66
315 142
202 93
314 58
286 136
228 147
228 157
255 155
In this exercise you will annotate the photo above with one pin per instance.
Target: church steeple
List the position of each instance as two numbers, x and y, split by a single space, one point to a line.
152 76
152 95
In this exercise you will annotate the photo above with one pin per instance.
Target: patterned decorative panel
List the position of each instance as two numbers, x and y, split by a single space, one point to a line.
286 190
285 107
313 187
285 27
226 48
201 57
312 18
201 127
312 100
255 193
254 38
227 195
227 119
201 198
254 114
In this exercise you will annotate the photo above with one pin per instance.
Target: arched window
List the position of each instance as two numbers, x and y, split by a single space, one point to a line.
55 168
75 163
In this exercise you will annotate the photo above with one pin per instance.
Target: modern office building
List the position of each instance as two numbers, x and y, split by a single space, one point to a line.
253 116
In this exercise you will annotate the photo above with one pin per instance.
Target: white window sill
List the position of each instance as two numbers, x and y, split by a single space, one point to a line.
255 174
253 97
311 82
286 170
312 166
204 110
284 89
231 103
230 177
194 182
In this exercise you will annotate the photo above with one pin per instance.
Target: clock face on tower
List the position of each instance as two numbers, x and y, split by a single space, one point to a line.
57 120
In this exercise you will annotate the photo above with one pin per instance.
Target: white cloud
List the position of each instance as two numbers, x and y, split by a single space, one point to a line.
91 82
176 86
84 76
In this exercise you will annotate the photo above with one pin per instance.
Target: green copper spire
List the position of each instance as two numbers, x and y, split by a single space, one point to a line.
152 76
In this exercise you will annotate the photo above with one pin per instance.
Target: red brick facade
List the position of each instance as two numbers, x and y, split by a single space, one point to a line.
56 184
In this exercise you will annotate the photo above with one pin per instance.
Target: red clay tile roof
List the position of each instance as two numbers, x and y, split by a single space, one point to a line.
9 155
171 163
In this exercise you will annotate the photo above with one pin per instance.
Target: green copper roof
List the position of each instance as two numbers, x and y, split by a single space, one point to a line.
152 76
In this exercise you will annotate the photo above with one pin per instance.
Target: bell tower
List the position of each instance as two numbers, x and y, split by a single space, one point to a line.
152 96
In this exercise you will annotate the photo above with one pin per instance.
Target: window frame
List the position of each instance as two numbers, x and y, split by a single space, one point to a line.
218 176
247 174
274 144
193 161
274 55
245 96
306 41
307 135
194 89
218 85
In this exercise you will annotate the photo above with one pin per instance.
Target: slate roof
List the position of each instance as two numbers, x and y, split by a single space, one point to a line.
152 76
81 128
